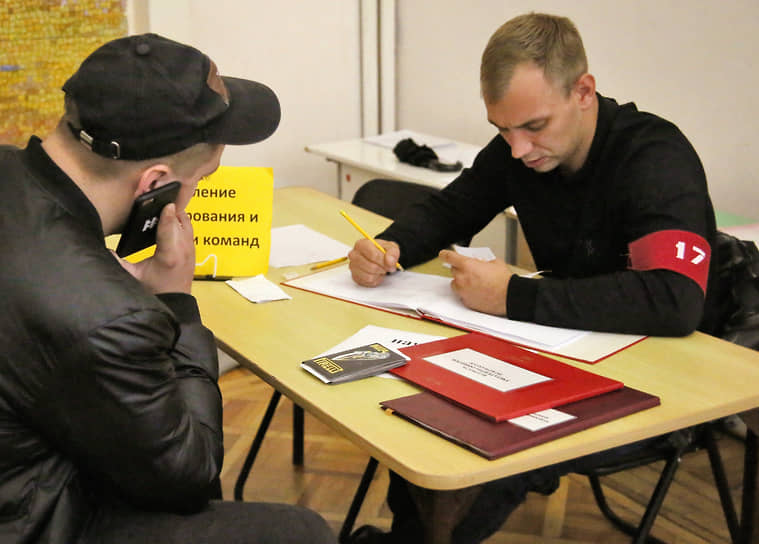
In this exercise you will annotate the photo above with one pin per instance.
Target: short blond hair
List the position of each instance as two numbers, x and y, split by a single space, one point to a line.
550 42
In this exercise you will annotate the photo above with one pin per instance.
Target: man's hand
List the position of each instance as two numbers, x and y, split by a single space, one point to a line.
480 285
171 268
368 265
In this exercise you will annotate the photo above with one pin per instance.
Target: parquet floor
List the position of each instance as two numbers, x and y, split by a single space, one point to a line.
691 513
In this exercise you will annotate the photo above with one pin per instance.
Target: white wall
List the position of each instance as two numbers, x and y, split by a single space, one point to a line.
307 51
691 61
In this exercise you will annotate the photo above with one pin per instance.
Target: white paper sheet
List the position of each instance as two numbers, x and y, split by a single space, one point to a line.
487 370
298 244
394 339
540 420
258 289
482 253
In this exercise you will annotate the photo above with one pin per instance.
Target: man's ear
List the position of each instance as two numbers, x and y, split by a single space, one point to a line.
585 89
152 178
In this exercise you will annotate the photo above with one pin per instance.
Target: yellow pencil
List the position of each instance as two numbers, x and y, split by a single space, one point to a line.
329 263
366 235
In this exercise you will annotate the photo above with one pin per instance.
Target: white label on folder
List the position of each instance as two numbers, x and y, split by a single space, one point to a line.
542 419
486 370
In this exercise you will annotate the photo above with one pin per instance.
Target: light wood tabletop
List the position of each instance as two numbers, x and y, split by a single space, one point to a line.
698 378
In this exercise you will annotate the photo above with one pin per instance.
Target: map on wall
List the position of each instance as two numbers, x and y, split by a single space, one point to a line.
42 42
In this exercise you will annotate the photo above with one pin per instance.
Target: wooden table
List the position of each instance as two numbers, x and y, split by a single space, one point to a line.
698 378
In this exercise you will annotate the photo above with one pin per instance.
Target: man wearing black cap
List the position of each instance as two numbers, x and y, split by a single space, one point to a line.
110 414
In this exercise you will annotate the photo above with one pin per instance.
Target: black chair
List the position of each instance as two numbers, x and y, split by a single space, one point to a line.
389 197
739 278
679 443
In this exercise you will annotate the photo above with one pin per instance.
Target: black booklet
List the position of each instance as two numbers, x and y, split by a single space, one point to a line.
354 363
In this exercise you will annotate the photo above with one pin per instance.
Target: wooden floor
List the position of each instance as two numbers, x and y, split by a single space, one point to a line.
691 513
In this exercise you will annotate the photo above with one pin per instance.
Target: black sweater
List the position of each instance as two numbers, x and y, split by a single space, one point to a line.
641 176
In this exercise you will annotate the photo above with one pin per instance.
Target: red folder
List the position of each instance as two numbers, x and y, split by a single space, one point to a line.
567 383
494 440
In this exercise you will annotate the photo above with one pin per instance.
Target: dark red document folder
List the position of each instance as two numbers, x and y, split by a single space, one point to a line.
494 440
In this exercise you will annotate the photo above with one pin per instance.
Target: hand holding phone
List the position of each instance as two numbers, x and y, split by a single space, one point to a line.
170 269
142 224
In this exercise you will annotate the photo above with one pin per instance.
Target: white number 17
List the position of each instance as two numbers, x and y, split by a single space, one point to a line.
700 253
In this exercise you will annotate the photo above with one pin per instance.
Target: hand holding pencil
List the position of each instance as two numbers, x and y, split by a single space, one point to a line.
368 267
366 235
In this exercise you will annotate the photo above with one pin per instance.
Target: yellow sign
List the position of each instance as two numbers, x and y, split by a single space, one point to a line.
231 219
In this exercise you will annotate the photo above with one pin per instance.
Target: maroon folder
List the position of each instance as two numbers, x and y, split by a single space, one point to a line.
494 440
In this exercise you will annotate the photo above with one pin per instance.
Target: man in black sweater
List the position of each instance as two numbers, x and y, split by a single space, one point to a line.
614 206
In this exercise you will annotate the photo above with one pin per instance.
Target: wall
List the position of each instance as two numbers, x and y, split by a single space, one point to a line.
308 52
691 61
41 45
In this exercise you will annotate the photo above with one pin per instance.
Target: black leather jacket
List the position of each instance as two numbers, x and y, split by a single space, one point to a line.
108 394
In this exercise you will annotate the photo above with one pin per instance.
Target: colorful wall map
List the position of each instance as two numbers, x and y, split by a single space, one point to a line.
42 42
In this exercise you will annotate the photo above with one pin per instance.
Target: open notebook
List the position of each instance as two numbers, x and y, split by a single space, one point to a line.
430 296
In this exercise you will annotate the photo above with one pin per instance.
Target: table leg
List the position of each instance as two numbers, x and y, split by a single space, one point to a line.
441 511
750 506
256 445
339 180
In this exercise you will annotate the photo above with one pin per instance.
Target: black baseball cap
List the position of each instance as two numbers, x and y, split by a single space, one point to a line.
146 96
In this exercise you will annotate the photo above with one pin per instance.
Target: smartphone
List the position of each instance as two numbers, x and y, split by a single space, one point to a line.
142 225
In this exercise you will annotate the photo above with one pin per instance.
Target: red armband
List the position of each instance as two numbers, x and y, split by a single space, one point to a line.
678 250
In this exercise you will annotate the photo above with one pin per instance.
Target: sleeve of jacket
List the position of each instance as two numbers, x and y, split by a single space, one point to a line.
655 302
148 422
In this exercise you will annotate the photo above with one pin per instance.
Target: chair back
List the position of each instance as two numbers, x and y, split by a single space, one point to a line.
738 262
389 197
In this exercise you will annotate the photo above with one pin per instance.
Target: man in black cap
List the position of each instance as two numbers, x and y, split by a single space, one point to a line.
110 412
